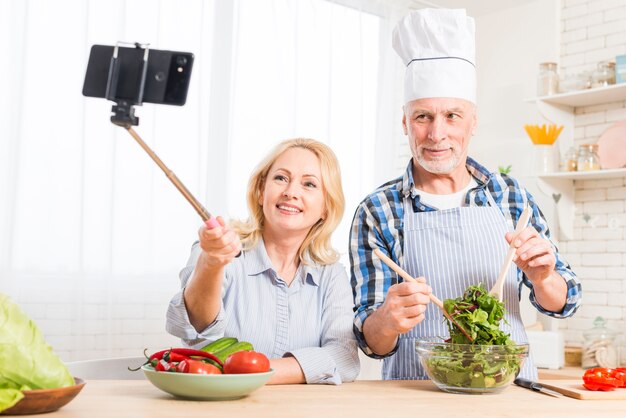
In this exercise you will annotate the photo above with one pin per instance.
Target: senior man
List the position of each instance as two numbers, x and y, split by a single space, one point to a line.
447 219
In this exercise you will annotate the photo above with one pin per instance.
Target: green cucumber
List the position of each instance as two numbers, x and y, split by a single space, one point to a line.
219 344
240 346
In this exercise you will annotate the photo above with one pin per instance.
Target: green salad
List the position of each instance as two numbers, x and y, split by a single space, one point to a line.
491 360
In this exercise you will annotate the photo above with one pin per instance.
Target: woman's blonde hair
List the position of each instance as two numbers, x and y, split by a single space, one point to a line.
317 244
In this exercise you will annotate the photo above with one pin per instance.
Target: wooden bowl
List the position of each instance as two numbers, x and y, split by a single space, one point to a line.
45 400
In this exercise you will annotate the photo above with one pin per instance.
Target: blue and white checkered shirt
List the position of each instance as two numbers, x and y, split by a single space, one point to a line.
379 223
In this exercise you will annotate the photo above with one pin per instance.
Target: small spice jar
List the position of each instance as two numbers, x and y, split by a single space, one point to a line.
604 74
569 162
599 346
588 159
548 79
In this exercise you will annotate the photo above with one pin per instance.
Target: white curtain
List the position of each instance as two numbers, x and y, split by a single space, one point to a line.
92 233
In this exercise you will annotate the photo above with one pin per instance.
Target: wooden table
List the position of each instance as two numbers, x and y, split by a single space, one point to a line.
361 399
564 373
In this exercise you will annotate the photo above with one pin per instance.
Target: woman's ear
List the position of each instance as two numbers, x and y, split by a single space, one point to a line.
260 199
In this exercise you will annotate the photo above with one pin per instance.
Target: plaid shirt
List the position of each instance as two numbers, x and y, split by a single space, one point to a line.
379 223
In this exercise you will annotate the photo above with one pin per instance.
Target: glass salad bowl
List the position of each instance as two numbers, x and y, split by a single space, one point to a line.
470 368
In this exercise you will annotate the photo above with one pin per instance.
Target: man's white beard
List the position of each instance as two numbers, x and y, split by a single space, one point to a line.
444 166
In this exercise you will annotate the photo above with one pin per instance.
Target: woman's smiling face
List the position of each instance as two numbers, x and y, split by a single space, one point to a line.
293 195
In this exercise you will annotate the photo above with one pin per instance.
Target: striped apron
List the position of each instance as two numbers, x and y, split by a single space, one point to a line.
453 249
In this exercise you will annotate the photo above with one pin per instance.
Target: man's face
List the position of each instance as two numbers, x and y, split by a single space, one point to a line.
439 130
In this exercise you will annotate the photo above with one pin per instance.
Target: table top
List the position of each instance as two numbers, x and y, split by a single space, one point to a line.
127 398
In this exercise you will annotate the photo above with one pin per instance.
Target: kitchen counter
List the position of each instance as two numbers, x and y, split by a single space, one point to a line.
139 399
568 372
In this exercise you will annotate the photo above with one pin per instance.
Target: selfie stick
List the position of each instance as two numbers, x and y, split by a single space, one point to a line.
210 221
123 114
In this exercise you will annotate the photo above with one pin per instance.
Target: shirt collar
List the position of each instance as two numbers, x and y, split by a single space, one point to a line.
479 172
257 261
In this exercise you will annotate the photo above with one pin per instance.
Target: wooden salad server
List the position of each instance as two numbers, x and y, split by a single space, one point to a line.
406 276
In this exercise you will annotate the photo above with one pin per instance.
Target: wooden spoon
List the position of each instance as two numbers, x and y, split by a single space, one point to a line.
496 290
406 276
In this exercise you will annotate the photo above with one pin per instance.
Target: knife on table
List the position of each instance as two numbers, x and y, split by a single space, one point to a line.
537 387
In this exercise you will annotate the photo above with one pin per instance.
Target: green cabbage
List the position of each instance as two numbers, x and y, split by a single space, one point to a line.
27 362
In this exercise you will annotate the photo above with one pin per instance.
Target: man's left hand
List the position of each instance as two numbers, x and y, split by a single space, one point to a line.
534 254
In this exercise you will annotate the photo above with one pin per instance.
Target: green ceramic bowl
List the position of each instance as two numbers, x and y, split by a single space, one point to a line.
208 387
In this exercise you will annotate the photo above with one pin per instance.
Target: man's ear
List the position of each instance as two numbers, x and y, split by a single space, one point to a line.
475 121
404 128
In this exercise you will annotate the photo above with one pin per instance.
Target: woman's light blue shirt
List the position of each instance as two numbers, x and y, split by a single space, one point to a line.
311 319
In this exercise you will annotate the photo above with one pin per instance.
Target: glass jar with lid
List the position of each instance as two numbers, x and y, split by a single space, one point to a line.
548 79
599 348
604 75
569 162
588 159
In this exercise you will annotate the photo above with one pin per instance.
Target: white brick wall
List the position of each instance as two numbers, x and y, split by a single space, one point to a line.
593 31
601 240
108 322
599 258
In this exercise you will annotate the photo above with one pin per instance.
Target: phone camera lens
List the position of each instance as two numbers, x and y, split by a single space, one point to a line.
160 76
180 60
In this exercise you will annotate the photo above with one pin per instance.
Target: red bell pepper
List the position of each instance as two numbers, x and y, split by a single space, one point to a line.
604 379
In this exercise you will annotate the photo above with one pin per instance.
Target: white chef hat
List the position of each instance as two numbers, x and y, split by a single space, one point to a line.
438 48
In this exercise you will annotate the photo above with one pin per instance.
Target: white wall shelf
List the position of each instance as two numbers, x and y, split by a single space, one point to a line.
586 175
562 184
560 109
588 97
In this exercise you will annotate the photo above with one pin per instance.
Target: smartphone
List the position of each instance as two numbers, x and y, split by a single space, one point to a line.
166 77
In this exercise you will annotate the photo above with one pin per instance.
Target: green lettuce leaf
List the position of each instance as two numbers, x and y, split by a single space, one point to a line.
26 361
9 397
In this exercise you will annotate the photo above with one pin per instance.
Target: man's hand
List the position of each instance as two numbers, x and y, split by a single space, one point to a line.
405 305
402 310
534 254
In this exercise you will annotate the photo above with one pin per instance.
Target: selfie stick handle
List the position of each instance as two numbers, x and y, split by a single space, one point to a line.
210 221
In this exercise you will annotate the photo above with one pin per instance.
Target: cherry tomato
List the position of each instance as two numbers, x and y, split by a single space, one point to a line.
200 367
246 362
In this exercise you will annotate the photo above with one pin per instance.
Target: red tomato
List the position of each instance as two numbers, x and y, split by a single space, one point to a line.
246 362
200 367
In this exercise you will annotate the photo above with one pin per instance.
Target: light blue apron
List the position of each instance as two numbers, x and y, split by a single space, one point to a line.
452 249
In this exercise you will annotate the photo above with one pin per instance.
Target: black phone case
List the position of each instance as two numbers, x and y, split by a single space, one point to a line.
167 78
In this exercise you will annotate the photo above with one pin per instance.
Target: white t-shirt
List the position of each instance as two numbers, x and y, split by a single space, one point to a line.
446 201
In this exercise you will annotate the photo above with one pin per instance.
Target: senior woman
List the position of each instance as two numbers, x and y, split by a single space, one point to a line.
286 293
